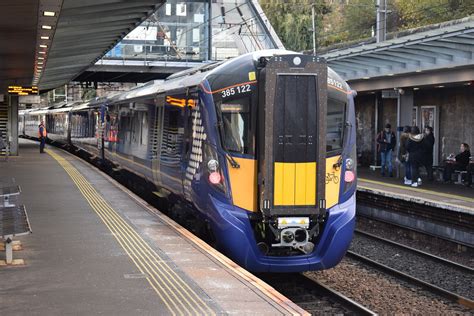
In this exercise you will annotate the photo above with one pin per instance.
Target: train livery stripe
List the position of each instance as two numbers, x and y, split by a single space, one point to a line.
295 183
173 291
333 178
243 183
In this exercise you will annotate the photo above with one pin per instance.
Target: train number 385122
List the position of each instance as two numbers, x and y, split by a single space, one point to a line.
235 90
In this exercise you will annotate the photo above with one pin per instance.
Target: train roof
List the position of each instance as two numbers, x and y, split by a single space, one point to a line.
194 76
183 79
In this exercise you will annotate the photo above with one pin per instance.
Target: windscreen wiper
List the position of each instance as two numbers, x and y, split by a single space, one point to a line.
233 163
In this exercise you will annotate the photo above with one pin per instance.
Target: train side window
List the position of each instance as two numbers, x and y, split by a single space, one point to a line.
173 136
335 125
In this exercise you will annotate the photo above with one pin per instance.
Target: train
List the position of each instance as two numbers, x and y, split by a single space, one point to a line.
261 149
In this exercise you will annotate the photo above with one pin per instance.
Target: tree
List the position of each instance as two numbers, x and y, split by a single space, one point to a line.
350 20
292 20
419 13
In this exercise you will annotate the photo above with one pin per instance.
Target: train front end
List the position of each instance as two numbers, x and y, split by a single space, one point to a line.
283 161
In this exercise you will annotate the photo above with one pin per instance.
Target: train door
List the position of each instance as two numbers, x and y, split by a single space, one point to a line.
292 141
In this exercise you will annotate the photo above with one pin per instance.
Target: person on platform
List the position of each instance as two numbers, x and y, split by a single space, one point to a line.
428 143
460 162
386 142
403 154
42 134
415 148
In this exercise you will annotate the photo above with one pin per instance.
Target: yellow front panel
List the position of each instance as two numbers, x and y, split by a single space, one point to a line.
300 184
288 183
333 181
278 184
295 183
310 183
243 183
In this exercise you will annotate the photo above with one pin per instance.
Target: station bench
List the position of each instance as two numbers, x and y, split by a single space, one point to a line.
459 174
13 221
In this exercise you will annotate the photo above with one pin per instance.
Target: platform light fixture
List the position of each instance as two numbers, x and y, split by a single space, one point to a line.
40 63
389 74
418 70
46 27
45 37
416 88
42 53
49 13
40 58
441 86
365 78
43 46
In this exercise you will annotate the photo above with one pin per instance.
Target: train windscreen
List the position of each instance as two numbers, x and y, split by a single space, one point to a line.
335 125
235 126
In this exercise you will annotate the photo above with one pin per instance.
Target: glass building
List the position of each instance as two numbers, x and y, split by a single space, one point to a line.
198 31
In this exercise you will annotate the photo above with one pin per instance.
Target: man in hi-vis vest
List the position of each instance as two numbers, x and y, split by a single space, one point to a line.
42 136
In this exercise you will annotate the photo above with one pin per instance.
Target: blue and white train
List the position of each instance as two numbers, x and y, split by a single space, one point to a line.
260 148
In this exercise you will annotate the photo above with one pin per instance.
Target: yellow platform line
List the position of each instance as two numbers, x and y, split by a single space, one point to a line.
131 249
132 234
447 195
143 256
147 256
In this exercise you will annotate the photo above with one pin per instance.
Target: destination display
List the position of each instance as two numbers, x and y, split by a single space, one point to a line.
20 90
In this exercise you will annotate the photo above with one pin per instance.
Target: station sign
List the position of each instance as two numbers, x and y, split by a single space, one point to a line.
20 90
390 94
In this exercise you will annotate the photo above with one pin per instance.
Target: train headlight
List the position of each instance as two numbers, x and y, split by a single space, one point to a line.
296 61
214 174
349 164
212 165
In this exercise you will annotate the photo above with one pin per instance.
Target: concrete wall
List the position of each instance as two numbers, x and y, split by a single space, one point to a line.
456 116
365 120
389 113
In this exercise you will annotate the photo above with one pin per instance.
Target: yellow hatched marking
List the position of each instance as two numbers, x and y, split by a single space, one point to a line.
447 195
163 279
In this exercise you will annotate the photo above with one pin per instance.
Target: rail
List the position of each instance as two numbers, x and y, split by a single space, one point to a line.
401 275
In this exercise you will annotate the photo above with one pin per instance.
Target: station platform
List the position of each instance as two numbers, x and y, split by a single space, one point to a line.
451 197
96 248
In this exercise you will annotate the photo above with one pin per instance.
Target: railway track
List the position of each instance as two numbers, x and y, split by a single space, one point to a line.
313 296
418 252
440 276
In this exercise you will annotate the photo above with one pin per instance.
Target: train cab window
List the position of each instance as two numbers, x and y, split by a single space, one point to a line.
235 125
335 125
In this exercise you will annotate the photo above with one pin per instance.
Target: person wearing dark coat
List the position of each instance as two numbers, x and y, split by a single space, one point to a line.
428 142
403 154
416 151
386 142
460 162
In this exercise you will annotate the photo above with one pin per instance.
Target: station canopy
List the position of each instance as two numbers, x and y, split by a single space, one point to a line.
442 54
47 43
